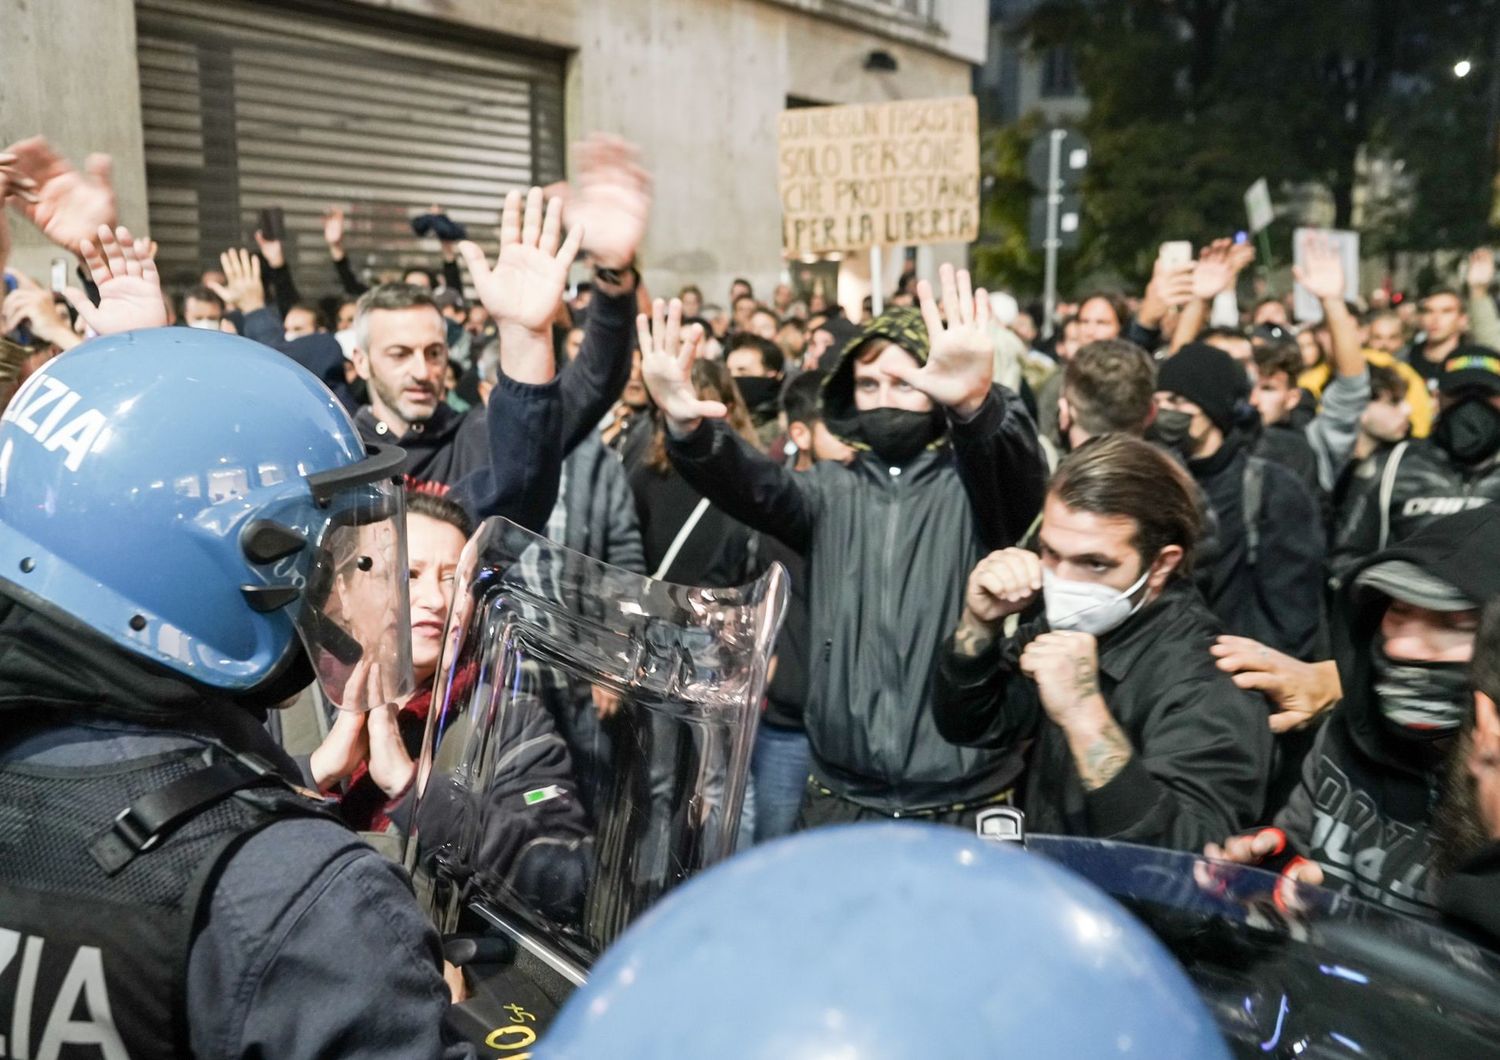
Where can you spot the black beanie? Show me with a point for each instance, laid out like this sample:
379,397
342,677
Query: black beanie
1209,378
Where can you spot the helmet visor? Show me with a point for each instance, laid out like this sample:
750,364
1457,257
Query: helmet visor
356,620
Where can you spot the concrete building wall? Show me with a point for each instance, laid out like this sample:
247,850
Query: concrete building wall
697,83
69,72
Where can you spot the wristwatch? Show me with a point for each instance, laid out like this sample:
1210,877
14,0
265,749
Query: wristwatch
617,277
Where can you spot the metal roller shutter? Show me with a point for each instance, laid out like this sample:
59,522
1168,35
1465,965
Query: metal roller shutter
248,106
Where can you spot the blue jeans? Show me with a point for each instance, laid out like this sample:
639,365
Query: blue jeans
780,765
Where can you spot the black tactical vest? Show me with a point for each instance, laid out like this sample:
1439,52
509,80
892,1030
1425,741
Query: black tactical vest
102,873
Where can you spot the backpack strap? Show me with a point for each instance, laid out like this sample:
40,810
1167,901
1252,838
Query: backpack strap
1252,489
141,825
1387,492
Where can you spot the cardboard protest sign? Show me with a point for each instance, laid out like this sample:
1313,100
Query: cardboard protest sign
879,174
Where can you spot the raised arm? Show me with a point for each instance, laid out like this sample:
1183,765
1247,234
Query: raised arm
980,697
742,482
129,287
611,200
521,292
13,183
68,206
1219,265
994,441
1484,321
333,235
1322,274
277,275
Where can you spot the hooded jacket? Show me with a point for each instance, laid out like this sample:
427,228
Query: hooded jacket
1364,807
889,551
1409,486
292,910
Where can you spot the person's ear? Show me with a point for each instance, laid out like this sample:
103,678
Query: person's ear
1166,563
1294,396
801,435
1064,415
361,361
485,386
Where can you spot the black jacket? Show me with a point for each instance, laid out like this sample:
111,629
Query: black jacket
1278,599
292,913
505,459
888,551
1364,807
1404,490
1202,746
1470,898
718,551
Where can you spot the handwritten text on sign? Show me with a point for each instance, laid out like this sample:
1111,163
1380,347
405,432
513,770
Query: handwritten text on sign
879,174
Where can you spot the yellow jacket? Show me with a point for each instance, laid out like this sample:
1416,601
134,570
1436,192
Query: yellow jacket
1417,396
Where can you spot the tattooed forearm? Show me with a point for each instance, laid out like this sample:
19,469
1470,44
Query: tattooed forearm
1085,678
1103,756
972,638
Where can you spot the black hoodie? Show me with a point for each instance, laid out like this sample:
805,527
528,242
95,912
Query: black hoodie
1365,805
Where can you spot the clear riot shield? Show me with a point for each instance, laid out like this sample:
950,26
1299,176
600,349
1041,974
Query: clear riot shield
589,739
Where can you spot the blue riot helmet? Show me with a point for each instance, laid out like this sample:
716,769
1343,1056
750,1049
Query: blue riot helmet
883,940
203,502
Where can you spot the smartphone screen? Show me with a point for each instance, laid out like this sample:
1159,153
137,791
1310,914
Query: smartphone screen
1177,252
273,223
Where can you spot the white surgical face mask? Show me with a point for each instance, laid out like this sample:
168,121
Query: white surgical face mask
1088,607
205,325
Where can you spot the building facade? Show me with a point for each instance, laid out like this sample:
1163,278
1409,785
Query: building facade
215,112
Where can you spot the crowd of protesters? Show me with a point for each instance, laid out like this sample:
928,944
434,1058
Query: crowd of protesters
1224,584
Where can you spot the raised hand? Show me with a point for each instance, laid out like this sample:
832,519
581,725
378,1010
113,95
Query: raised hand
271,250
391,767
525,285
333,230
12,183
610,199
1214,272
1171,286
1065,666
129,288
1322,271
68,206
961,358
36,307
667,355
1481,271
241,288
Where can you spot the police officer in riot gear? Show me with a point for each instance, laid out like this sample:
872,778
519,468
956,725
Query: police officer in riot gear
192,531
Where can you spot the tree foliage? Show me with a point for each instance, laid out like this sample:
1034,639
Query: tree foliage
1192,100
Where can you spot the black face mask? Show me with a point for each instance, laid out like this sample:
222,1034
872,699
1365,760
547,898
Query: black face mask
1170,429
898,435
760,393
1469,431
